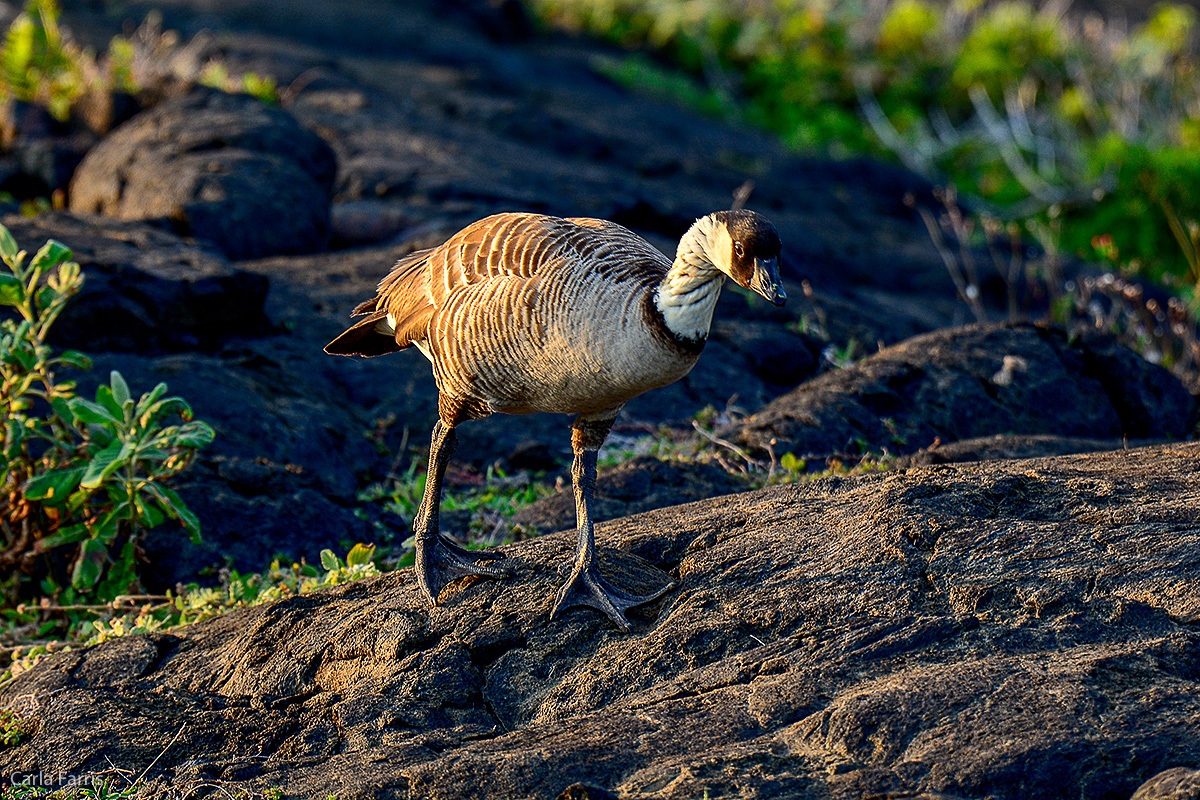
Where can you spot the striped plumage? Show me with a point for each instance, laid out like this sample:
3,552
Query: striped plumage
520,313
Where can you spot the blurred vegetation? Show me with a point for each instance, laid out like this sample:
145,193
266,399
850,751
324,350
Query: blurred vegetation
39,64
1072,126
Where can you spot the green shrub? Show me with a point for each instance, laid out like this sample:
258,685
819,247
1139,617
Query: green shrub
36,63
82,480
40,65
150,614
14,726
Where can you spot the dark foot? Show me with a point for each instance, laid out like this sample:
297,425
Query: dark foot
440,562
587,587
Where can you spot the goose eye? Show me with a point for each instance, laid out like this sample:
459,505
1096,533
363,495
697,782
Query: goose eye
739,250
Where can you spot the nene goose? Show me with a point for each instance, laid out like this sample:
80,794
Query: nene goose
521,313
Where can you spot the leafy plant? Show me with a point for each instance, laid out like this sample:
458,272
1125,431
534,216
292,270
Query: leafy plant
148,614
495,498
216,75
14,726
38,65
82,479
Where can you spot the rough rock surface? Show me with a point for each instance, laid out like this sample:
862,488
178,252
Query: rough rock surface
997,630
975,381
226,168
1178,783
145,289
1007,445
640,484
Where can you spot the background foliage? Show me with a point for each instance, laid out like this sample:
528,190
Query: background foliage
1074,126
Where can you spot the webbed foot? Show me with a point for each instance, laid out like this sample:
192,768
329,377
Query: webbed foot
587,587
441,562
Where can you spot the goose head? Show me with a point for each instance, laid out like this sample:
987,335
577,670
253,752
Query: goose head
745,246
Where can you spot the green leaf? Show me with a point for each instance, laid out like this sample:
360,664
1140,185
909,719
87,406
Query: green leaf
12,291
52,254
26,359
54,486
149,514
77,499
104,396
360,554
85,411
193,434
109,524
89,565
166,406
120,389
175,507
62,408
328,560
74,358
69,535
8,245
148,400
104,464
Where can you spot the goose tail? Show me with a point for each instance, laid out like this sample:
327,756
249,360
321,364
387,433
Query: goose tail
371,336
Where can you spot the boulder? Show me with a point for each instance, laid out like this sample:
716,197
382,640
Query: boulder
145,289
1005,629
226,168
42,151
975,381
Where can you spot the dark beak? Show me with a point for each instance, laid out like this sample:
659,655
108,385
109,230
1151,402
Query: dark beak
766,280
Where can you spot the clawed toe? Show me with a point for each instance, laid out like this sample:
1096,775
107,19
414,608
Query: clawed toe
587,587
441,562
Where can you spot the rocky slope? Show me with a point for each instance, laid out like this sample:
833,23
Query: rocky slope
1008,629
400,123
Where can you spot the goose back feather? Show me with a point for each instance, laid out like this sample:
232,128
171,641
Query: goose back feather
521,313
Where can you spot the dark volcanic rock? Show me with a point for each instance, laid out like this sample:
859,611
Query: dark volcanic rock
986,448
222,167
280,477
1179,783
1003,630
250,511
145,289
640,484
975,381
44,152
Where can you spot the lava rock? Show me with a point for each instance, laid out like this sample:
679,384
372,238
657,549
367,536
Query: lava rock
975,381
44,150
146,290
987,448
963,631
222,167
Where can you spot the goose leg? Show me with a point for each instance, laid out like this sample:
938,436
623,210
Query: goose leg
586,586
440,561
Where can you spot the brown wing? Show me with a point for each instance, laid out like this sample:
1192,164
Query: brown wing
507,246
